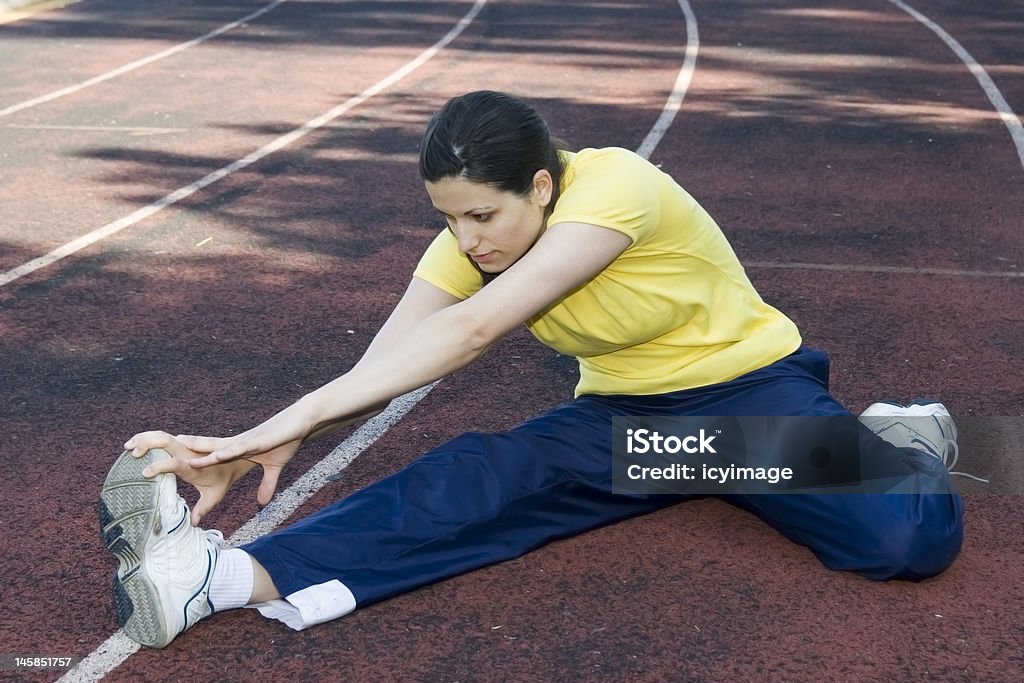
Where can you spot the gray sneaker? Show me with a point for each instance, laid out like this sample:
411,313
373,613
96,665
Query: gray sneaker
927,427
165,565
924,425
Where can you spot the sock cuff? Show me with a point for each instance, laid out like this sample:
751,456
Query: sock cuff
233,580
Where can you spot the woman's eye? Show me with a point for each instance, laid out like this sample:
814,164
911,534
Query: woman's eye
482,217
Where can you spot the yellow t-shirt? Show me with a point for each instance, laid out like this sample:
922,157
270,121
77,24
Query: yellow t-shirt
674,311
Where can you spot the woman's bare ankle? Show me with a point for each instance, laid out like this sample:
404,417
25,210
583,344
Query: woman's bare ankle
263,588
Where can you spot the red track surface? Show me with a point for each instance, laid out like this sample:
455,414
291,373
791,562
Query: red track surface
830,133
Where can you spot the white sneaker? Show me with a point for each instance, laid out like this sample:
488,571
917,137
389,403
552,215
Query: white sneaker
924,425
927,427
165,565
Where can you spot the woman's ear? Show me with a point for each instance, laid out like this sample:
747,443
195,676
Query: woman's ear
543,186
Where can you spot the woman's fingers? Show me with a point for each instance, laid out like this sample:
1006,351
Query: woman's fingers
268,485
187,455
176,464
142,442
201,444
187,446
231,450
180,454
172,465
208,499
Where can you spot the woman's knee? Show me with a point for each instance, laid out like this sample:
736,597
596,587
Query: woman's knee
920,545
881,537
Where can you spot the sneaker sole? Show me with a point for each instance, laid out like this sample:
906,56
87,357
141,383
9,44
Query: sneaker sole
127,516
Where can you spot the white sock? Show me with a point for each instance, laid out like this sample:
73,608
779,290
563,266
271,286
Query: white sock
232,583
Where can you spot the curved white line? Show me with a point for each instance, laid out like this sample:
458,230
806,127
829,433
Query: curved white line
1007,114
71,89
273,146
682,84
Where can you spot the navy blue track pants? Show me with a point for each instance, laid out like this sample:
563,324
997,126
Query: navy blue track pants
484,498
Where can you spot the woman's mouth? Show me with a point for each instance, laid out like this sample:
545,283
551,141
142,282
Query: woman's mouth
482,258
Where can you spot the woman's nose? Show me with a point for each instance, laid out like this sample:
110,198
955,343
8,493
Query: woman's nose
467,237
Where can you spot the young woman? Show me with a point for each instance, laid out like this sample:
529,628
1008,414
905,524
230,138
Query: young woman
603,257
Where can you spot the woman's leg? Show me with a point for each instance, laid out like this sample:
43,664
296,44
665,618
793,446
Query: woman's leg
485,498
475,501
263,588
880,536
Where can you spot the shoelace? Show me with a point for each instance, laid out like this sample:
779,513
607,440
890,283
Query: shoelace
956,456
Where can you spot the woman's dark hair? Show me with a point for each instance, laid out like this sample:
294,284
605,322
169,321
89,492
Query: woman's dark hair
492,138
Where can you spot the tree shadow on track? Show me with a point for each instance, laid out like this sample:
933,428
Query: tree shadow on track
754,110
539,25
346,190
330,199
874,196
291,23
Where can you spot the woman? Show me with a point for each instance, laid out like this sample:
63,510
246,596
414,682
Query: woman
603,257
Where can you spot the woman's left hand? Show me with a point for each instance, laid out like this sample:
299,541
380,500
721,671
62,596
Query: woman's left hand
213,481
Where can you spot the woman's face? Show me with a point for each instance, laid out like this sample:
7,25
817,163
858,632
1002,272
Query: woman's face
494,228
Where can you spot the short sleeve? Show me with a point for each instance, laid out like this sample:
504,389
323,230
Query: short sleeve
611,188
444,266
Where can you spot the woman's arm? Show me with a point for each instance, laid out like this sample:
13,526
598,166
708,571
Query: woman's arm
429,335
421,300
419,349
566,256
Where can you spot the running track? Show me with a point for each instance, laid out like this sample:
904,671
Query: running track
862,170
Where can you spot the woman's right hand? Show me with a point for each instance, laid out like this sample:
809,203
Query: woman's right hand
271,443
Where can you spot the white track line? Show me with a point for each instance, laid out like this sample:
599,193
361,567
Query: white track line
1009,118
907,270
682,84
137,63
130,130
118,647
278,144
